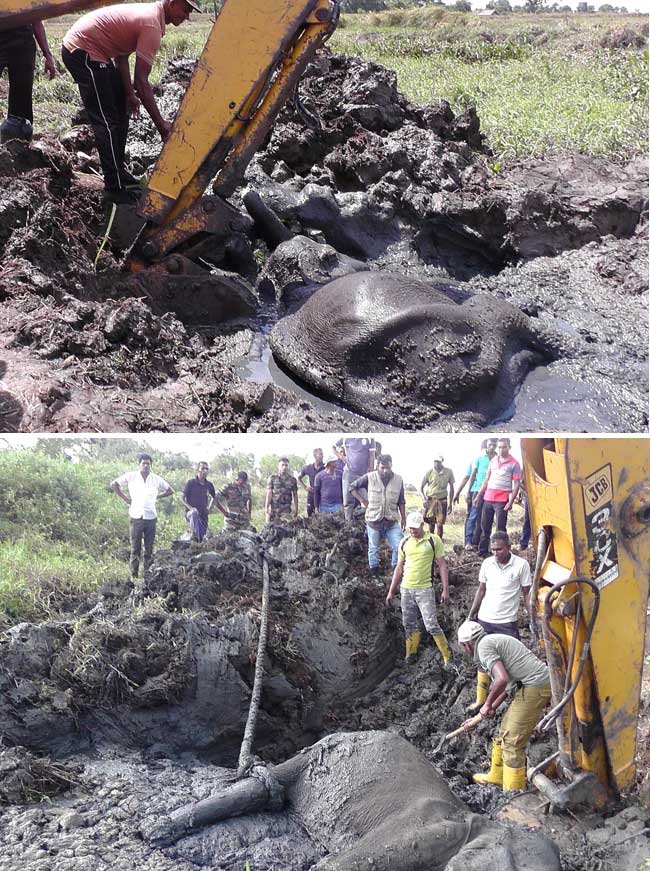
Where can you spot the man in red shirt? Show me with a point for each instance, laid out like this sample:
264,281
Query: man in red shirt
96,52
498,491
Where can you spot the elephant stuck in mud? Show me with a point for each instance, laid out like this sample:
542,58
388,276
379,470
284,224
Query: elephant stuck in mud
372,801
404,351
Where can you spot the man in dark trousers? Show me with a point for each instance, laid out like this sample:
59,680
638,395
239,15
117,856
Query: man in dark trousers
144,488
197,497
96,52
310,470
18,57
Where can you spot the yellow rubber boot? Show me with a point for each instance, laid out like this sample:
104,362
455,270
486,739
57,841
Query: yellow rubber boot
513,778
482,687
495,774
443,646
412,644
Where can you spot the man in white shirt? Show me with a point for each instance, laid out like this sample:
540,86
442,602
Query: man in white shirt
503,579
144,488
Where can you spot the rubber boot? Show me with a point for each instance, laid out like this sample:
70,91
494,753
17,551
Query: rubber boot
447,657
412,644
482,687
495,774
513,778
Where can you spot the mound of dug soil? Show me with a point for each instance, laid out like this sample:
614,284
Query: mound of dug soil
140,694
380,184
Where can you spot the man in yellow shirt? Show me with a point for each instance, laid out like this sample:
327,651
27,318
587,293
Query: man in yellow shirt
414,571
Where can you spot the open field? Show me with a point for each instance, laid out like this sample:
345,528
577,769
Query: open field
540,84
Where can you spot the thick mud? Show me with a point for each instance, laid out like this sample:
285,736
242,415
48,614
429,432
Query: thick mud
135,704
381,185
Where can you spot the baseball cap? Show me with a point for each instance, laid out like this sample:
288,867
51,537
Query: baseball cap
469,631
414,519
331,458
194,4
438,459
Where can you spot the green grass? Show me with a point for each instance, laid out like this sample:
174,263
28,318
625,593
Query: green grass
537,89
540,84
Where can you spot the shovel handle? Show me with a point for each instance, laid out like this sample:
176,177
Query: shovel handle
475,720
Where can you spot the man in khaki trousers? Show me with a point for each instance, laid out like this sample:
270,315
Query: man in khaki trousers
510,664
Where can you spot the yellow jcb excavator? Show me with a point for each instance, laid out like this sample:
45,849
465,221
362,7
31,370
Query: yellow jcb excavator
589,503
250,66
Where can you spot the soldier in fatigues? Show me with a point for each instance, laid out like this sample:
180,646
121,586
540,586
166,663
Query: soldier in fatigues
281,493
235,503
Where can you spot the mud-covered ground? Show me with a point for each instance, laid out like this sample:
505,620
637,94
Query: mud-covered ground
381,185
135,704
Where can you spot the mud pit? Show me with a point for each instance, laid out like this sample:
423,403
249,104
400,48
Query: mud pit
384,185
134,705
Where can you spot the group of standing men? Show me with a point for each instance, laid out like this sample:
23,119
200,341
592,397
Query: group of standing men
490,635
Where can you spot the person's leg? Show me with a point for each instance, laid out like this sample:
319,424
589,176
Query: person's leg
21,78
525,529
310,505
136,532
470,526
331,509
348,499
501,516
96,90
122,119
487,517
373,547
149,538
426,601
410,622
394,536
515,730
478,520
441,516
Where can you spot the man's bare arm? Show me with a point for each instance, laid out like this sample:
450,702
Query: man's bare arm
145,93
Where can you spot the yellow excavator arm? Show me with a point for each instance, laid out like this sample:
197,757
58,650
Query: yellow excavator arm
589,503
250,66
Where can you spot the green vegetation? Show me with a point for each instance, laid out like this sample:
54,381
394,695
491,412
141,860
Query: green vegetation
540,83
63,532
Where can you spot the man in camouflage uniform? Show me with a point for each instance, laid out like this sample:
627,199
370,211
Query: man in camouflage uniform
281,493
235,503
437,490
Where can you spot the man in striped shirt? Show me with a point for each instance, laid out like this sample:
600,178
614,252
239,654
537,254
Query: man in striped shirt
498,491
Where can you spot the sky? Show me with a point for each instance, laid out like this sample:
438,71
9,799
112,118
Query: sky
412,452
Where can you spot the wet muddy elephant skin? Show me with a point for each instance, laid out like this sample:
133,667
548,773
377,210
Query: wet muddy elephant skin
373,801
404,352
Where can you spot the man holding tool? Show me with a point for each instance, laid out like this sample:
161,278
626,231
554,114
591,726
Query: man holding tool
510,665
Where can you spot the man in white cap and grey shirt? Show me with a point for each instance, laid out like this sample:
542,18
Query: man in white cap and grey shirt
414,572
437,490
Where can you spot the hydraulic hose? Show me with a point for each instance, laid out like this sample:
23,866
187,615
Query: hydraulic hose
546,722
251,722
541,553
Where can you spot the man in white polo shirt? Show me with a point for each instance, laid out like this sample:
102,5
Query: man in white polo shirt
503,579
144,488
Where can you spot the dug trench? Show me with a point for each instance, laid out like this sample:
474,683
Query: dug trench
537,270
133,704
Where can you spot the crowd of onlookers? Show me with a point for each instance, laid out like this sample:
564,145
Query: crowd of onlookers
356,475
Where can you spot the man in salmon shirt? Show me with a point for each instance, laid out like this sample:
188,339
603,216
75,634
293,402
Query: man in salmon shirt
96,52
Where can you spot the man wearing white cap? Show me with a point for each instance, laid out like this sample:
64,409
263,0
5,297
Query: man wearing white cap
510,665
437,490
328,487
414,571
